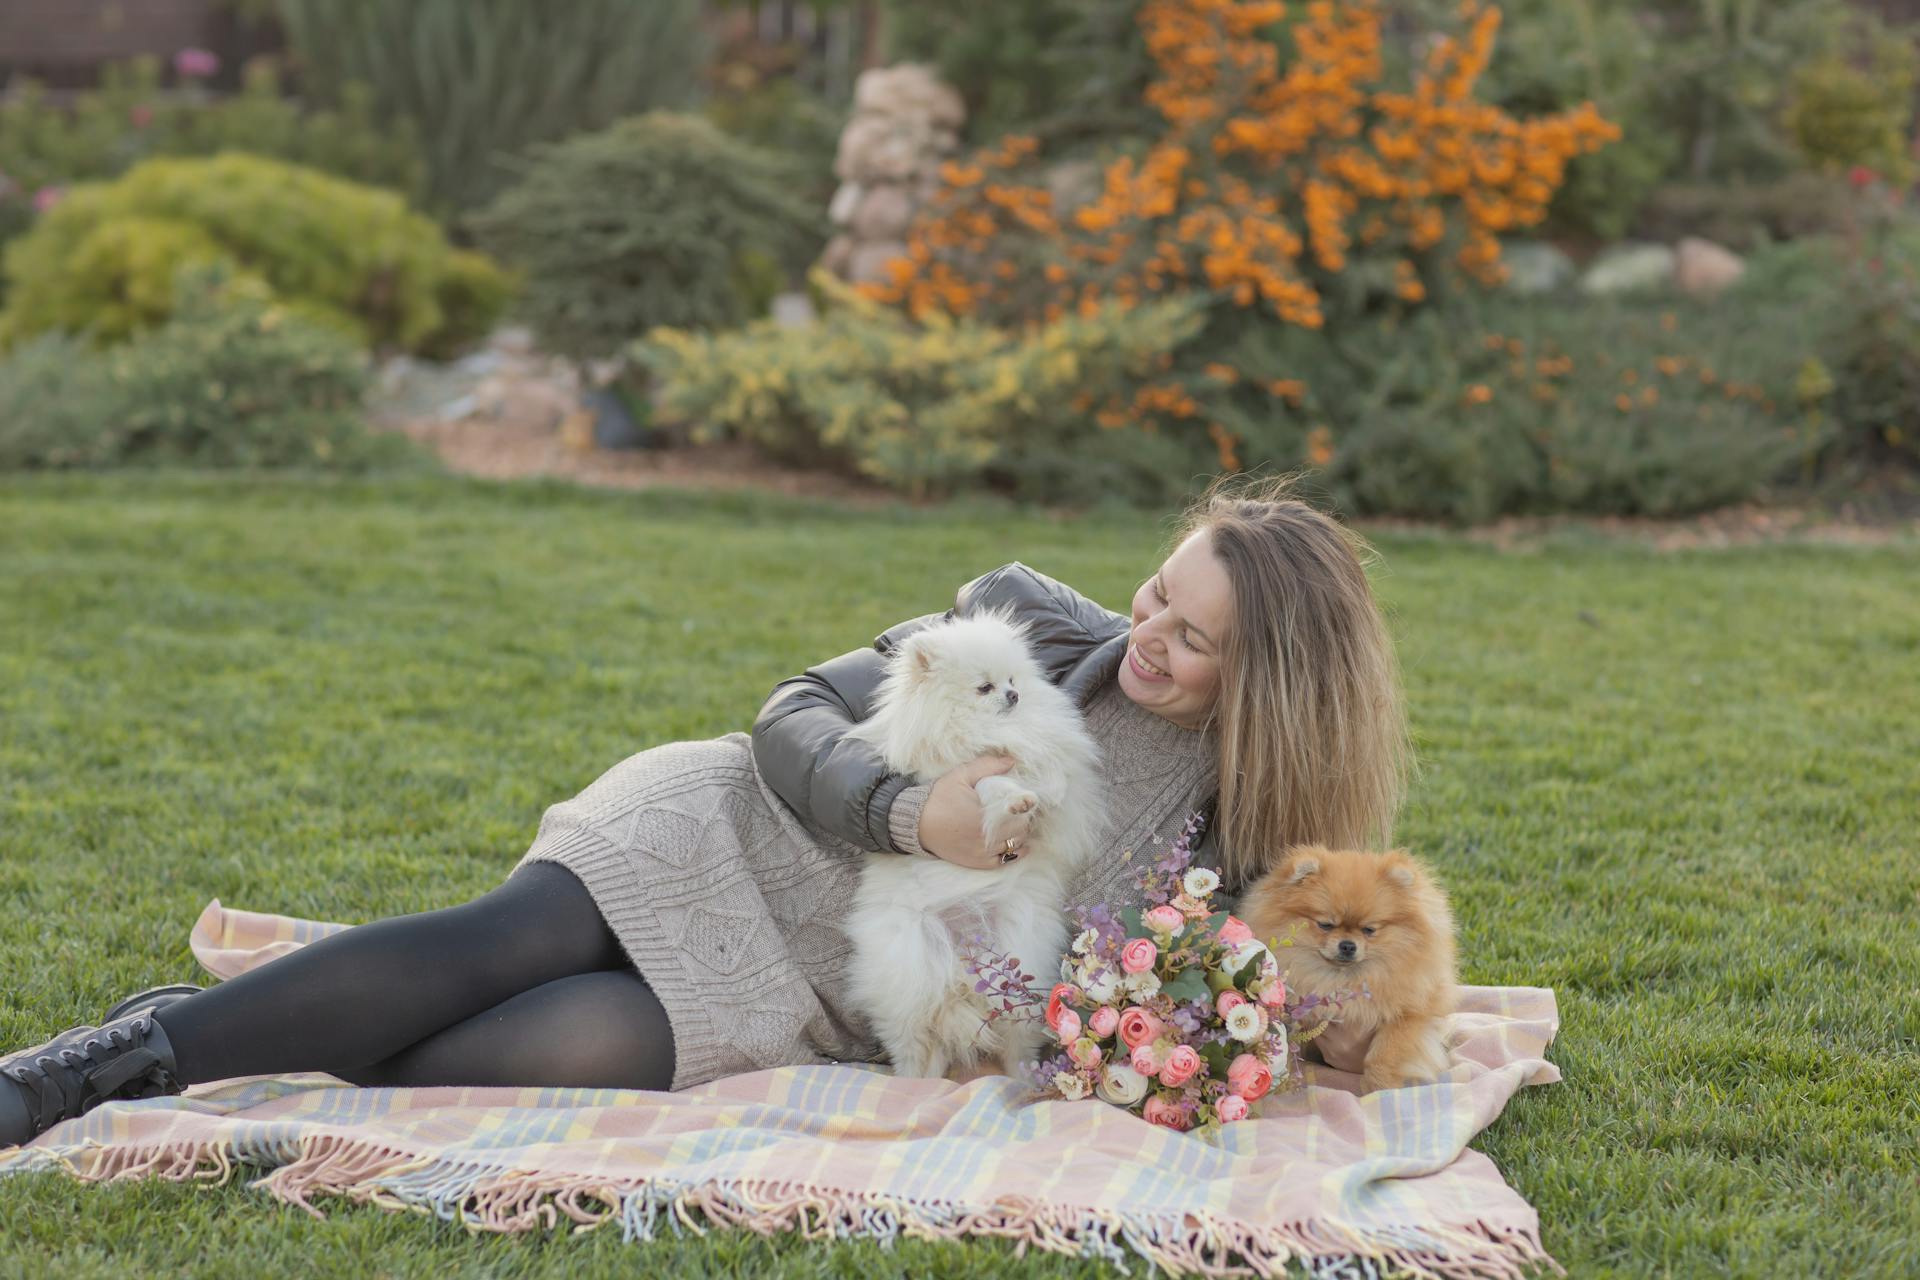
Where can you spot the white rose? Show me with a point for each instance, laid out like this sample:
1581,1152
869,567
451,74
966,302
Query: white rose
1121,1085
1277,1059
1143,985
1072,1086
1246,1022
1103,987
1246,953
1199,882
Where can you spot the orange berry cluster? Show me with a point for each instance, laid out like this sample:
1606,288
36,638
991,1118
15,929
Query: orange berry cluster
1264,183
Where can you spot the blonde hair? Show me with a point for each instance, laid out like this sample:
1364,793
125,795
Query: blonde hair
1310,719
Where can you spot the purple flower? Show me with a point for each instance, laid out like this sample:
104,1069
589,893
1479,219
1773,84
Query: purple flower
196,64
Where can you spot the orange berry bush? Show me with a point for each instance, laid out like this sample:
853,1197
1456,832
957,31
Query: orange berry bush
1292,183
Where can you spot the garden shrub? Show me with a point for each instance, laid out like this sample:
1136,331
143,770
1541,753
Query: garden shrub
101,133
939,405
232,379
1302,193
1843,115
482,80
102,260
55,408
660,220
1524,406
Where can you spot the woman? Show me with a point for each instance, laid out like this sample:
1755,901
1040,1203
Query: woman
718,869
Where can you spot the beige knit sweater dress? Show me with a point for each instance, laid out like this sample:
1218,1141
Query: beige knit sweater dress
730,907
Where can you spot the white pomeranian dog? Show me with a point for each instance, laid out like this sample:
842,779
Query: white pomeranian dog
953,691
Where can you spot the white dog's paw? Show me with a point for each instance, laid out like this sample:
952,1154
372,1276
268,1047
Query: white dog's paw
1006,811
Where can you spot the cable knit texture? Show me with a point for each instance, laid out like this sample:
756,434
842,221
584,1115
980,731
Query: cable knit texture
730,907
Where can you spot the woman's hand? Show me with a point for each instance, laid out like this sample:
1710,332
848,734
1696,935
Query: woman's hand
952,821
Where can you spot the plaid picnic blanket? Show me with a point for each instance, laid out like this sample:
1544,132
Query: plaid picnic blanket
1346,1185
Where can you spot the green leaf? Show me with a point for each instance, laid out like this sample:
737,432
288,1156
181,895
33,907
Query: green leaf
1190,985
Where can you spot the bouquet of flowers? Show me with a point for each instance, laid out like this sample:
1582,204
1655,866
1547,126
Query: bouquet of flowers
1173,1011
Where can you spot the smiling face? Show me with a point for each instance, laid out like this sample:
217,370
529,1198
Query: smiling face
1180,616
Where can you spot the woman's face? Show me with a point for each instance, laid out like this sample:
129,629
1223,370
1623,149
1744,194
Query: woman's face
1180,616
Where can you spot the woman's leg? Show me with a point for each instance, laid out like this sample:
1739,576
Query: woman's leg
363,995
602,1030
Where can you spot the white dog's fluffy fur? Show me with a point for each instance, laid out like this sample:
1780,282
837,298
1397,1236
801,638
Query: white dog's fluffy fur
953,691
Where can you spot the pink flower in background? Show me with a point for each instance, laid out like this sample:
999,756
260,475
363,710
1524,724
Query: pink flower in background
1231,1108
1181,1066
1084,1052
1138,955
1145,1059
47,197
140,115
1861,177
1235,931
1137,1026
1229,1001
1105,1021
1068,1028
1249,1077
1161,1112
196,64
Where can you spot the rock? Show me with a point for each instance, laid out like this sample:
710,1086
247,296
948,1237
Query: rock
613,425
884,214
513,340
1629,268
869,261
1703,269
845,201
1535,268
838,255
1073,183
792,310
878,148
909,90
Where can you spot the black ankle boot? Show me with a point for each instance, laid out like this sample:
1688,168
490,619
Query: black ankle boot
81,1068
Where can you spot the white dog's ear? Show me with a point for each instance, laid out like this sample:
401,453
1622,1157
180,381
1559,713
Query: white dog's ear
916,655
1300,868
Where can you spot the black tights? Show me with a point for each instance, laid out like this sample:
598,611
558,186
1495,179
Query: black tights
525,985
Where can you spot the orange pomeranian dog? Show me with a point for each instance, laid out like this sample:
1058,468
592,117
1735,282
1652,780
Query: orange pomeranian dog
1374,927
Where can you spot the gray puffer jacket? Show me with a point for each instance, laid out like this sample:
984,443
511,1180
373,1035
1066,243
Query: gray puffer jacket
844,787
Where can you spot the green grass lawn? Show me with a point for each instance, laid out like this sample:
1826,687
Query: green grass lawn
1680,790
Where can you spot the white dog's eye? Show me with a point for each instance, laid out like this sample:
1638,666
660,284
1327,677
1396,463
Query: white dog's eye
985,688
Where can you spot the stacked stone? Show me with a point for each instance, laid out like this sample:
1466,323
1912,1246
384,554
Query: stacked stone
905,125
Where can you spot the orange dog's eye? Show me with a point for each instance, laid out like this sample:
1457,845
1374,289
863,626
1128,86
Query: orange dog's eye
1368,930
1326,926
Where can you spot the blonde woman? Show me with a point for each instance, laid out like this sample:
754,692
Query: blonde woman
677,920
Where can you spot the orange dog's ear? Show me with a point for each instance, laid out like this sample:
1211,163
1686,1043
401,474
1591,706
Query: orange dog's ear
1400,868
1301,867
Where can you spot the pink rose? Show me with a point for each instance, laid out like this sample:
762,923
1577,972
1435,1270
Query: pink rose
1230,1108
1137,1026
1138,955
1104,1021
1249,1077
1056,998
1274,994
1235,931
1145,1059
1229,1001
1068,1027
1161,1112
1181,1066
1165,919
1084,1052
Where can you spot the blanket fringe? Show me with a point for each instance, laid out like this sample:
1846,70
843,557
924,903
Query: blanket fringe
497,1199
